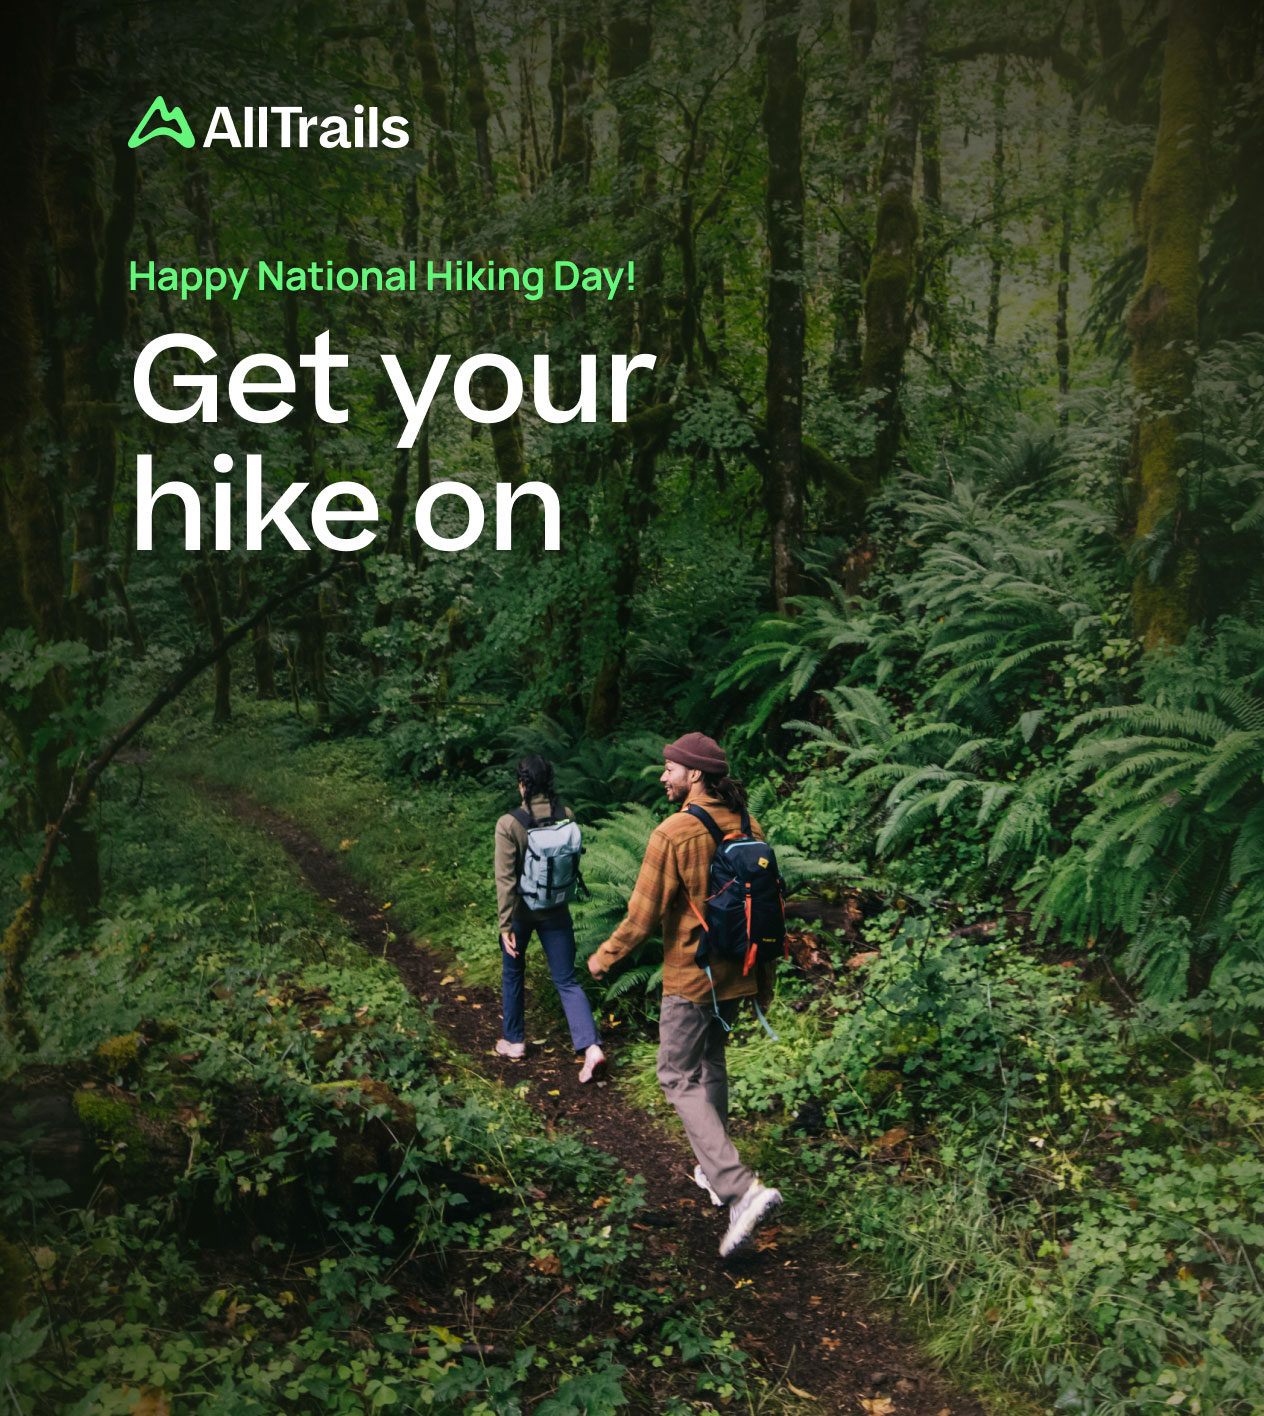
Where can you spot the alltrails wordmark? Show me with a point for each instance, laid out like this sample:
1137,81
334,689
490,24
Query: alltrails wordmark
284,125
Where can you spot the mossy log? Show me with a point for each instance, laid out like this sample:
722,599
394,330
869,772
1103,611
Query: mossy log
89,1133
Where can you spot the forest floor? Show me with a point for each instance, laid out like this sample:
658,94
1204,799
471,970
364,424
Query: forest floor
793,1302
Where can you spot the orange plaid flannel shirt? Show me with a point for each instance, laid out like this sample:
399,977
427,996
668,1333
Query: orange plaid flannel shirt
673,873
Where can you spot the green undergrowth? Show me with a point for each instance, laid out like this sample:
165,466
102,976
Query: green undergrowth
1063,1187
297,1198
425,848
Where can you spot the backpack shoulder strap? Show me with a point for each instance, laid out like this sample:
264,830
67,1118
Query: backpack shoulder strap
707,821
746,830
523,817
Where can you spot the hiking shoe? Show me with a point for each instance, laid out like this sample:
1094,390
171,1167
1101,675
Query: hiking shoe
701,1181
594,1067
516,1050
755,1205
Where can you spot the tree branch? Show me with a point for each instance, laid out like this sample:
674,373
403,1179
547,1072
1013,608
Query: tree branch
26,920
1046,51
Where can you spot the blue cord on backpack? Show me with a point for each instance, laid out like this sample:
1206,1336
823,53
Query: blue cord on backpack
715,1008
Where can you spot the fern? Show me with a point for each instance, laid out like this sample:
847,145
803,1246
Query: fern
1179,791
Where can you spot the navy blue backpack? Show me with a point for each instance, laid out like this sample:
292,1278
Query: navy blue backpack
745,919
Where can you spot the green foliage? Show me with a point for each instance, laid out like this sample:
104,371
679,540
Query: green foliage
1177,825
323,1124
1079,1192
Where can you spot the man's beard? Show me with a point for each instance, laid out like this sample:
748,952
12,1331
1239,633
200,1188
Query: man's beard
675,794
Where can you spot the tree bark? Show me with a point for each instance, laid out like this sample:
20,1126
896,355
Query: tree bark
1062,323
932,290
853,248
997,222
630,495
90,249
783,379
33,533
487,321
1163,325
891,271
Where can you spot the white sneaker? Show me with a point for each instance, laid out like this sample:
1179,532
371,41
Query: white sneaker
594,1067
755,1205
516,1050
701,1181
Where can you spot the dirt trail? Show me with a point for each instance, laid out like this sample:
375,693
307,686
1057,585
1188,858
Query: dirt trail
794,1304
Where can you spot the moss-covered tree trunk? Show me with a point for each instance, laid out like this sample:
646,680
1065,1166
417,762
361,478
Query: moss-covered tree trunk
853,247
996,223
931,300
1163,326
90,249
891,272
629,487
783,377
1062,320
506,435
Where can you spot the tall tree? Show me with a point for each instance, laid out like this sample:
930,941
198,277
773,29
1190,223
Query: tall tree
1163,326
891,271
783,380
853,248
1062,321
996,247
31,543
630,488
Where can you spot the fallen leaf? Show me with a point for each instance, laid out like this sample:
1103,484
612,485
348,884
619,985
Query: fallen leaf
860,961
345,845
878,1405
151,1402
387,905
798,1391
888,1140
445,980
555,1093
547,1263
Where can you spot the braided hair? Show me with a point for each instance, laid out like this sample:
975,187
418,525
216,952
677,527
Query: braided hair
535,777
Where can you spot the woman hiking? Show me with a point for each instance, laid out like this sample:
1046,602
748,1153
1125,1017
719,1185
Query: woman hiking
553,924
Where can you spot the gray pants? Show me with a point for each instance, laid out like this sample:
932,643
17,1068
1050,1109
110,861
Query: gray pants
694,1079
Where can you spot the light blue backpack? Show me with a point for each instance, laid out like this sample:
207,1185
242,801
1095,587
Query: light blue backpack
550,869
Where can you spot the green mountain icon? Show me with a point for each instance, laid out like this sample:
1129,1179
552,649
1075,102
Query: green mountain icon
181,131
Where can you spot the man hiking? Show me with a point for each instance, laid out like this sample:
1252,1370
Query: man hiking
697,1006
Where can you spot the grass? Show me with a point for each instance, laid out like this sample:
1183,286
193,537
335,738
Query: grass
425,849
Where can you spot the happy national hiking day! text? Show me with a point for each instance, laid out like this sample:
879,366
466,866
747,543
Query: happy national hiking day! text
445,277
257,386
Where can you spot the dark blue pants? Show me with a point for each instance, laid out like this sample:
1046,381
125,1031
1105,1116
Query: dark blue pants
558,940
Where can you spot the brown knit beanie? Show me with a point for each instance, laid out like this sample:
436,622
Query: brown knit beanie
700,751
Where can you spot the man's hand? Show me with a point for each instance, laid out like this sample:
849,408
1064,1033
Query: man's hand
510,944
594,967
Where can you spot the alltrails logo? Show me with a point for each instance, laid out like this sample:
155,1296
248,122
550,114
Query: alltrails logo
280,125
181,132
